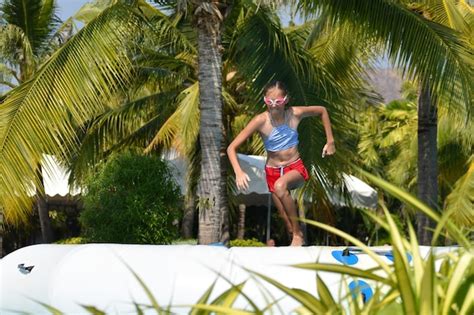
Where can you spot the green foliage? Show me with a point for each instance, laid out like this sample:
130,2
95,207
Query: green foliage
460,203
63,93
191,241
72,240
131,199
246,243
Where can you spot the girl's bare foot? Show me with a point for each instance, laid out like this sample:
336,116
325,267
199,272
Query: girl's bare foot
297,240
271,242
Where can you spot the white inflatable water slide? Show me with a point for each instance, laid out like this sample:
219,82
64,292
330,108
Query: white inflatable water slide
68,276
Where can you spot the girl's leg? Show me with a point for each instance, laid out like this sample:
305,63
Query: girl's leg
290,179
282,213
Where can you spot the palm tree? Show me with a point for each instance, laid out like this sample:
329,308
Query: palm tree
76,95
436,55
389,149
30,33
176,125
42,113
452,16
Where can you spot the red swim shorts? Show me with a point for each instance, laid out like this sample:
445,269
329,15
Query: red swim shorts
275,172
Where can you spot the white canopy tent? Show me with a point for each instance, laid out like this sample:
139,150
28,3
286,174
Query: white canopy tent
56,178
362,195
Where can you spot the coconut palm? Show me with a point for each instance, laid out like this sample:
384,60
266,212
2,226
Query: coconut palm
177,124
42,113
388,147
436,55
76,95
30,32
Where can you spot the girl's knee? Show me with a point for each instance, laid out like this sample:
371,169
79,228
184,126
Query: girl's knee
281,188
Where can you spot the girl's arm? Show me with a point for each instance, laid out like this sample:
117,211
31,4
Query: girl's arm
241,178
306,111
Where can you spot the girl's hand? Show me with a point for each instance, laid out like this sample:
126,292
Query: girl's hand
329,149
242,180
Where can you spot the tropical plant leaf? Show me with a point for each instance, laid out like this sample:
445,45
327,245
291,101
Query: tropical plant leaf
221,309
347,270
203,300
307,300
453,230
457,279
425,48
460,202
41,115
36,19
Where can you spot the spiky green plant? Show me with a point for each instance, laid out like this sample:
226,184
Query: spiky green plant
437,284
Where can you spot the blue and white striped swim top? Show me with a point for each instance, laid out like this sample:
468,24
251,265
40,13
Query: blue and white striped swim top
281,137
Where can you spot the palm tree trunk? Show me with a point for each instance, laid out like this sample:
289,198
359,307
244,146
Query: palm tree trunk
43,212
213,208
188,217
427,162
241,222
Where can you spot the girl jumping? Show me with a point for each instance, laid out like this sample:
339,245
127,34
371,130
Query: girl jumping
284,168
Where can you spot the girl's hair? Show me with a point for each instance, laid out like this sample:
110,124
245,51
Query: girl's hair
275,84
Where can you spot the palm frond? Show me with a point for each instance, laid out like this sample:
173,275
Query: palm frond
264,52
467,11
427,50
344,56
36,18
401,169
131,125
446,12
164,70
460,202
172,33
182,127
367,147
15,48
41,115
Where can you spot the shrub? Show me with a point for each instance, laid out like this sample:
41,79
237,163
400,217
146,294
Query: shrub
72,240
190,241
246,243
131,199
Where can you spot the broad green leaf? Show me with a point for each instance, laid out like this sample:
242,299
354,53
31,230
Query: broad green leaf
347,270
354,241
307,300
325,295
402,269
428,297
221,309
203,300
458,276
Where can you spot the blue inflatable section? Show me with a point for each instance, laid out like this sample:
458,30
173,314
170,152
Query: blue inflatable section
389,256
345,257
348,256
361,287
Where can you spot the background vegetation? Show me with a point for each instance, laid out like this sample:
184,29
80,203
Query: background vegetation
131,199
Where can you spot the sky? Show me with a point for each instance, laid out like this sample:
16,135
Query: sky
67,8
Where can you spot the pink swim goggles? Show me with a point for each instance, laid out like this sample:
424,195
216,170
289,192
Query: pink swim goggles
277,101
